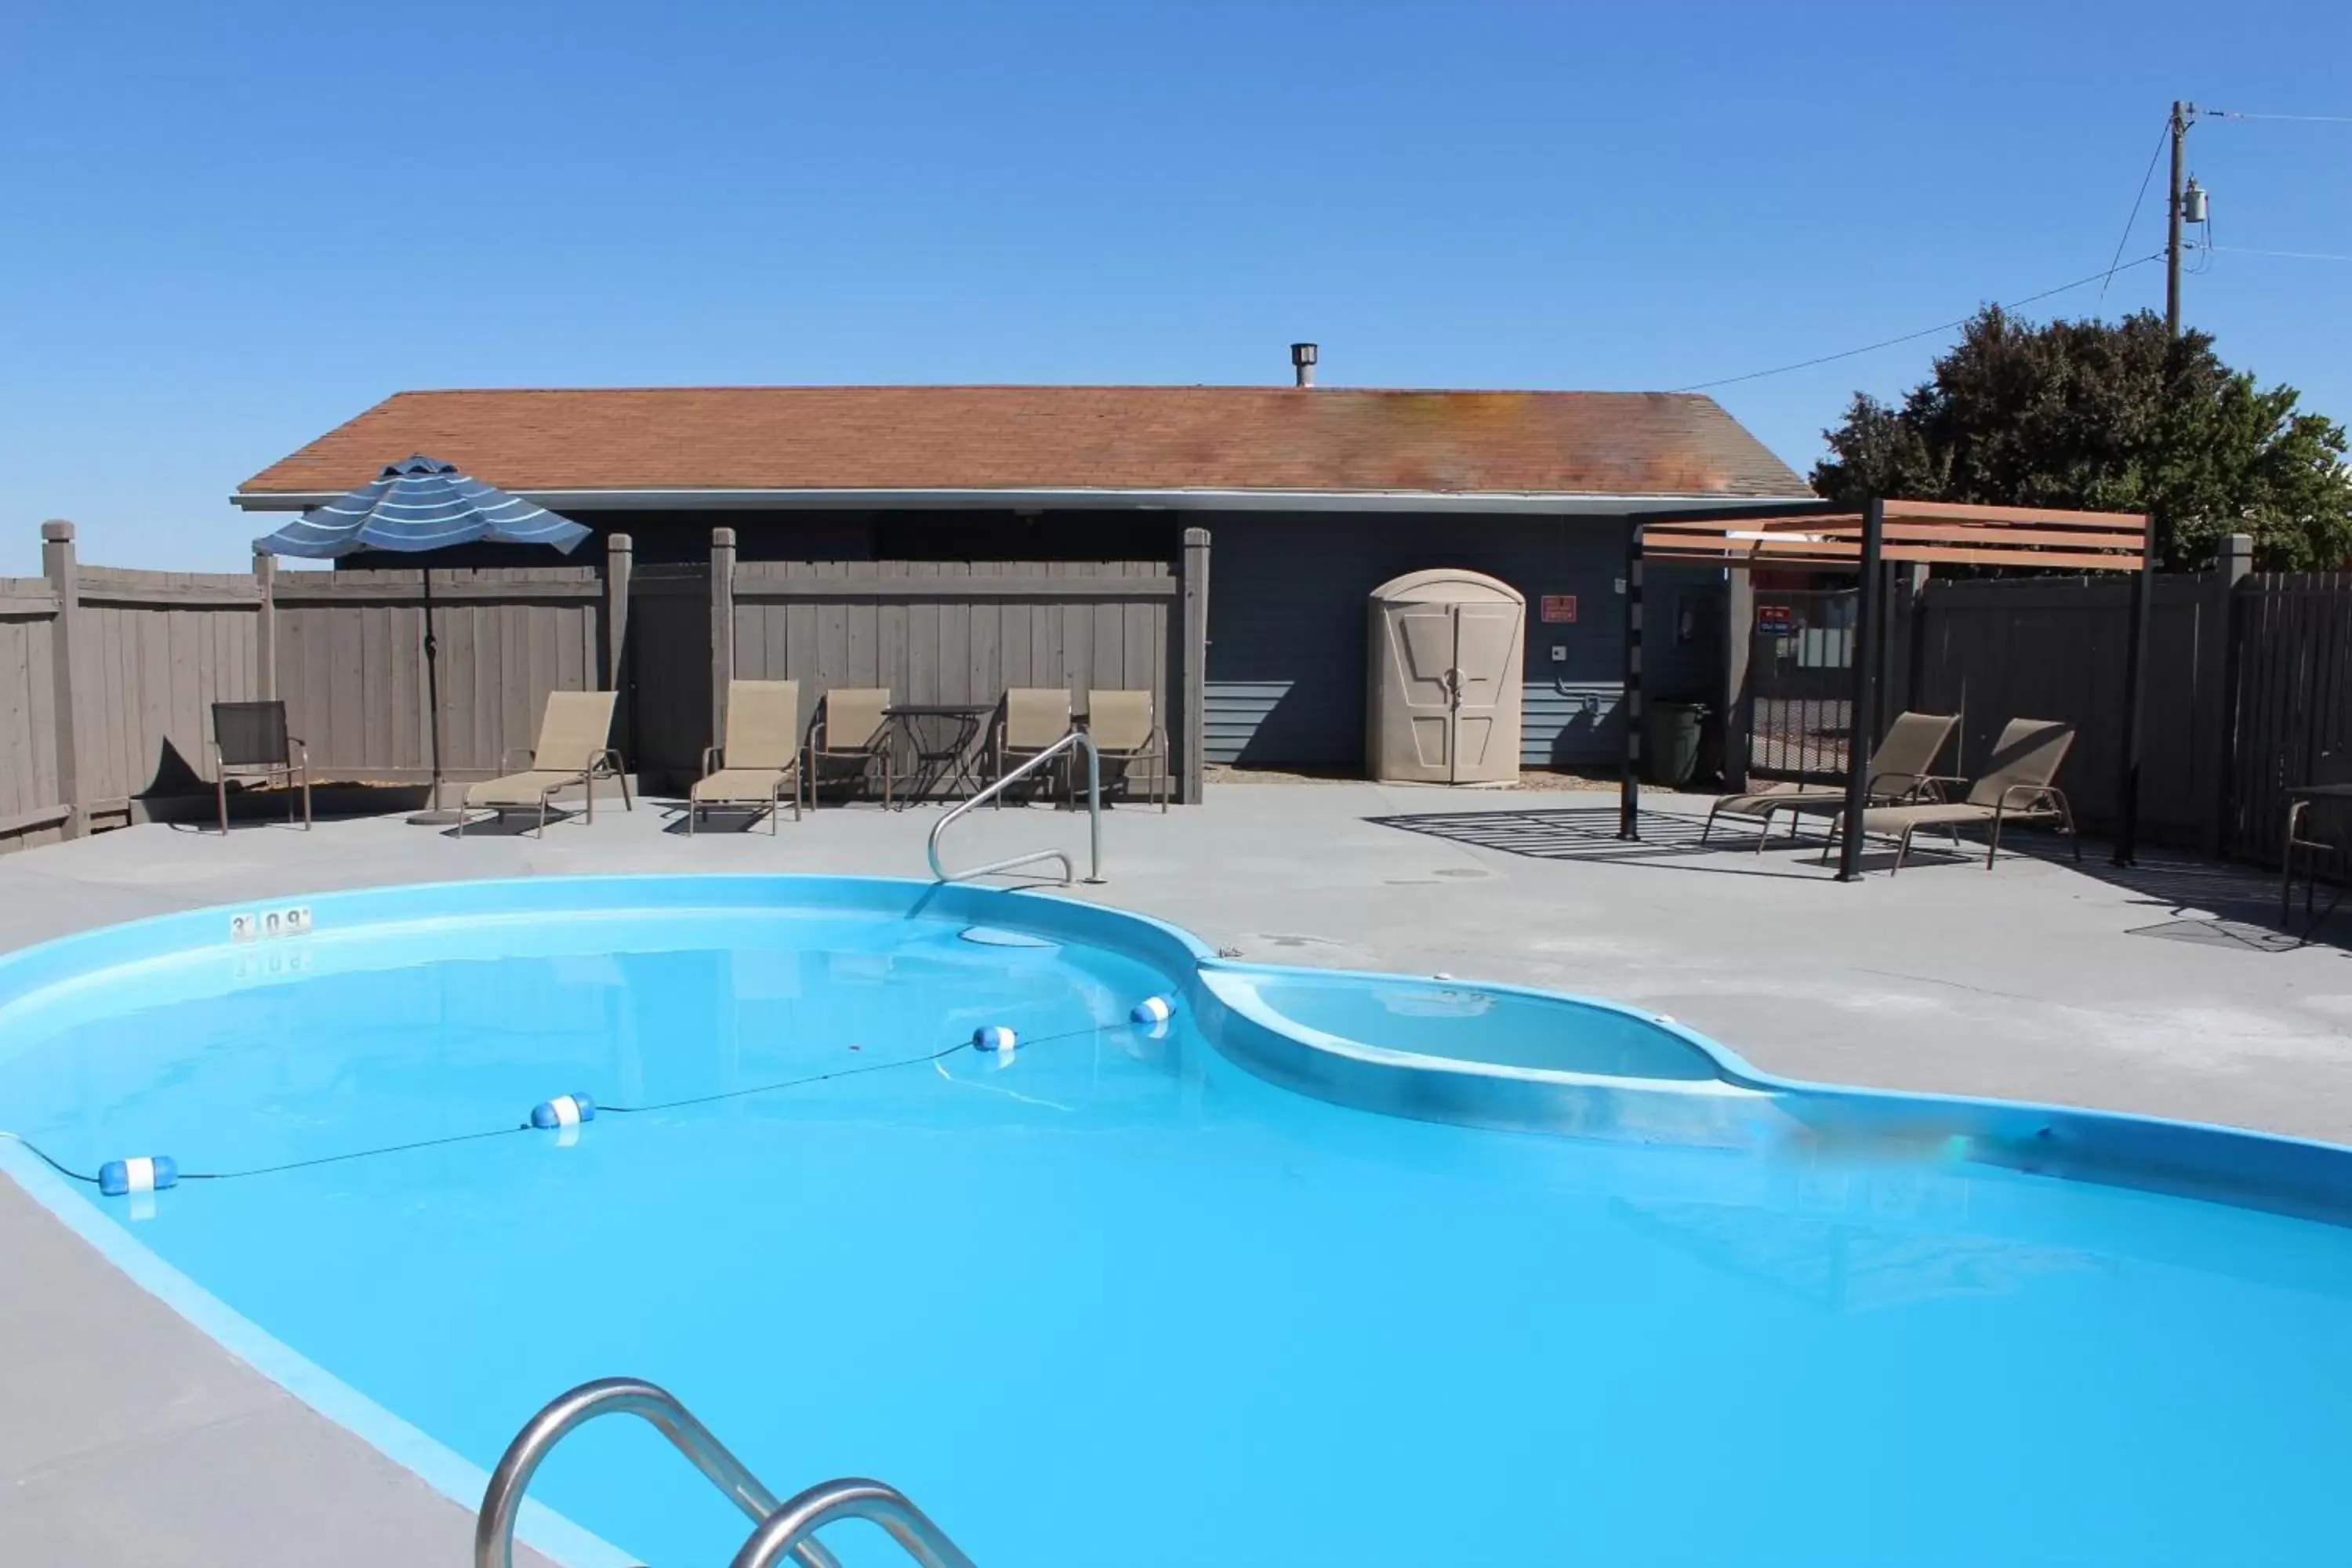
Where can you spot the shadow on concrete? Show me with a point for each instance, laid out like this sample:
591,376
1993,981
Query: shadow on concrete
1669,840
724,819
2215,903
522,823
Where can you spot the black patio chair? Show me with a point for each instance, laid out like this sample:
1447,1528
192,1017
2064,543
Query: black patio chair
250,742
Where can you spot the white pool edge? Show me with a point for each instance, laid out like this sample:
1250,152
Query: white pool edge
439,1467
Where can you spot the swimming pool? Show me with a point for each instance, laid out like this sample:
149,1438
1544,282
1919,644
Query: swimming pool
1327,1268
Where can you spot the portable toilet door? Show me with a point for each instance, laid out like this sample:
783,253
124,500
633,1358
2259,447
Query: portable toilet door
1447,648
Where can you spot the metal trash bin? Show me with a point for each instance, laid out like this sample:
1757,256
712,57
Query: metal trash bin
1670,742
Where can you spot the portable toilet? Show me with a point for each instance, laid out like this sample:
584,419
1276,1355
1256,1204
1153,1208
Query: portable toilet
1447,650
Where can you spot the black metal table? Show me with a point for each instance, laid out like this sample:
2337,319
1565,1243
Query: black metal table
942,737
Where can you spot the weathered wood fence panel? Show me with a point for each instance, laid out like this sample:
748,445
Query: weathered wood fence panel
32,805
350,663
959,631
1992,650
2293,679
155,650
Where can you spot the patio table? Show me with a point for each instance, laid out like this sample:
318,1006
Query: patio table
941,736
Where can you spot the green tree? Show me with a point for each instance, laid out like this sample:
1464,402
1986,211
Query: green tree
2108,416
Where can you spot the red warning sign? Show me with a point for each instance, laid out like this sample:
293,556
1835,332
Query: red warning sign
1559,608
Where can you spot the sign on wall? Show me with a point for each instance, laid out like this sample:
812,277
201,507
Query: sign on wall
1775,620
1559,608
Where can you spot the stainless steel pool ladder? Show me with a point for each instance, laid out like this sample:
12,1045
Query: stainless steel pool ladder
783,1529
1077,738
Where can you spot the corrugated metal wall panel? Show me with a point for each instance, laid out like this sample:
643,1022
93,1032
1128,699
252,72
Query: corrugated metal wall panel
1287,628
1571,723
1232,713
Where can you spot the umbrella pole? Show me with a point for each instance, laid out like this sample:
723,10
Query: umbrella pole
434,815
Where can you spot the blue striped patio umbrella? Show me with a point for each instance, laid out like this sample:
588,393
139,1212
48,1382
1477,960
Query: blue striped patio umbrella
422,504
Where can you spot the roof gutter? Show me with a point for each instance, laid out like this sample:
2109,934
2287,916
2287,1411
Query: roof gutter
1547,504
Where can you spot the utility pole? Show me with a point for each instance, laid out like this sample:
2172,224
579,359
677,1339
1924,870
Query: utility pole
2143,590
2180,113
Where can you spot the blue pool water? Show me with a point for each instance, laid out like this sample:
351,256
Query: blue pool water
1179,1296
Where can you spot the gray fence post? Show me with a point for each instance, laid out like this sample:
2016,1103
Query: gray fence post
265,628
1194,697
723,628
65,581
2232,566
620,558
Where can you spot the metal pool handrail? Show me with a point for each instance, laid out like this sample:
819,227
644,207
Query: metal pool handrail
1077,738
494,1528
793,1526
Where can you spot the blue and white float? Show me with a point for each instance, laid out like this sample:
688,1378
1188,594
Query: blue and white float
1152,1010
563,1111
998,1037
140,1173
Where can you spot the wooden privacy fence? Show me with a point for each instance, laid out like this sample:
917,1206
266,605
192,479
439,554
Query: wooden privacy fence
32,799
350,663
2291,672
108,676
2053,647
107,681
930,631
2249,691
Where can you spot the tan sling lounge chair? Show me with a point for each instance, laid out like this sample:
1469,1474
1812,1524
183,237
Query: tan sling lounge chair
1900,767
2016,785
851,736
575,734
761,757
1034,717
1119,723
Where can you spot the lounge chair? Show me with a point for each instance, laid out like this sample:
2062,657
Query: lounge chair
2016,785
1031,720
1900,769
575,733
1120,725
761,757
850,735
250,742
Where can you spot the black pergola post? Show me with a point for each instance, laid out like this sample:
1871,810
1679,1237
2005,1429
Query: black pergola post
1861,723
2135,674
1629,793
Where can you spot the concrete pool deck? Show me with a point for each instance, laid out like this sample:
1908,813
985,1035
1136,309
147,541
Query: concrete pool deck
129,1436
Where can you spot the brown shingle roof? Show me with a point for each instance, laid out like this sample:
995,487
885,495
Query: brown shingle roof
1052,437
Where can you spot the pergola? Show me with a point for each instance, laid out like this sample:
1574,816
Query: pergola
1867,539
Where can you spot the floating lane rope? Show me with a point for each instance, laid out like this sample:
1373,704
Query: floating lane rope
161,1170
1152,1010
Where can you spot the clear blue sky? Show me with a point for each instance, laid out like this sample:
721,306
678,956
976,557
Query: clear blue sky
233,226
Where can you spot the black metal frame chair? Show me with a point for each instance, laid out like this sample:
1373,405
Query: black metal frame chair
250,742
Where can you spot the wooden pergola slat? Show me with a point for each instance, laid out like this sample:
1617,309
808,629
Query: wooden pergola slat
1968,512
1841,554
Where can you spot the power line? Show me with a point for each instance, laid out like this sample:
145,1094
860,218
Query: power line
2125,239
2306,119
1922,333
2296,255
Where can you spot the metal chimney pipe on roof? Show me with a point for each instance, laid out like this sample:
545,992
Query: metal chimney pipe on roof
1302,362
